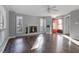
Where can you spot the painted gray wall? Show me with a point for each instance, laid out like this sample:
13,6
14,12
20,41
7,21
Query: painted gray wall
74,24
71,25
12,24
27,21
66,25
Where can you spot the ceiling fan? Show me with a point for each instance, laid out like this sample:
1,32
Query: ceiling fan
51,8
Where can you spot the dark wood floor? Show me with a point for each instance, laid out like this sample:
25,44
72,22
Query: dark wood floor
47,44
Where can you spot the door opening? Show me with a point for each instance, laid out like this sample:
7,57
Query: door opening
54,23
57,25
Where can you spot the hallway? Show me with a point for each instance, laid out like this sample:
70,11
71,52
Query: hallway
55,43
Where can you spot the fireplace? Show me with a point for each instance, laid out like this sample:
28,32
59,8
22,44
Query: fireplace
31,29
26,30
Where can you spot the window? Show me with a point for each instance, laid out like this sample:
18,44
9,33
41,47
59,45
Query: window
2,22
41,24
19,24
60,24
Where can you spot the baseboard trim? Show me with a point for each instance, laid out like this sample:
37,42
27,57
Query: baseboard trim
4,45
23,35
71,39
48,33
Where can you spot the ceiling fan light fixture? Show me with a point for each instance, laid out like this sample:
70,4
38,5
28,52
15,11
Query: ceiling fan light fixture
51,9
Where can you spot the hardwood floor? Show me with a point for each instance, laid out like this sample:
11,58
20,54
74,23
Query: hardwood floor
42,43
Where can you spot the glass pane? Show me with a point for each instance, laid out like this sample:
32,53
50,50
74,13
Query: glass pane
19,24
60,24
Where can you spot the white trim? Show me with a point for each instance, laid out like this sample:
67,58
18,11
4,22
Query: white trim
12,37
48,33
4,45
70,39
23,35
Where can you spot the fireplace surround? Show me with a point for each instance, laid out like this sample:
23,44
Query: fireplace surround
31,29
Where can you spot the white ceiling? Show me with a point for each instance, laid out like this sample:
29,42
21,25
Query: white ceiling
41,10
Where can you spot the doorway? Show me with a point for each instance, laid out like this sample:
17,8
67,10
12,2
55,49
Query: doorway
57,25
42,25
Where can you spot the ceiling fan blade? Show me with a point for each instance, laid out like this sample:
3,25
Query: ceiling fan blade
51,9
54,10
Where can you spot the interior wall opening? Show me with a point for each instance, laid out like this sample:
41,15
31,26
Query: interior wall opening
57,25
